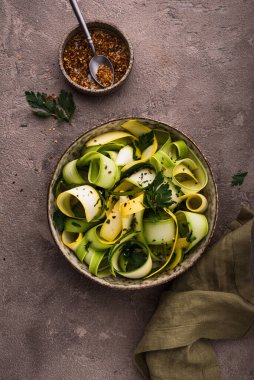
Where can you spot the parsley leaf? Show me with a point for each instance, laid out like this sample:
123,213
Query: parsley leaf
145,141
158,194
65,100
238,179
61,107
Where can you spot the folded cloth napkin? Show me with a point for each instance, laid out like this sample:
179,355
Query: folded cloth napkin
212,300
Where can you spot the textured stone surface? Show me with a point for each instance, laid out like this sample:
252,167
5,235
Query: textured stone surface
193,69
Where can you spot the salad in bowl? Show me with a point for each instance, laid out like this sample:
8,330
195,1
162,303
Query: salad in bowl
132,203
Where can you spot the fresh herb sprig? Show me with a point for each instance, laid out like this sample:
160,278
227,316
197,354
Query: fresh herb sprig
145,140
238,179
158,194
60,107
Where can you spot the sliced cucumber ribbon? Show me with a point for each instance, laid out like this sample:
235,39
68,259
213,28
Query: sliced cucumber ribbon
133,206
178,255
116,146
119,218
161,161
138,129
78,225
112,226
195,202
169,153
189,175
108,137
142,178
119,190
95,262
162,136
95,239
122,256
181,164
90,252
129,206
160,231
193,226
71,239
135,128
171,251
125,156
178,150
145,156
84,196
102,172
71,174
140,233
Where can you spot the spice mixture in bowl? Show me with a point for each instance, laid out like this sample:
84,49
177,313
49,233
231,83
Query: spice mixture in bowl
75,55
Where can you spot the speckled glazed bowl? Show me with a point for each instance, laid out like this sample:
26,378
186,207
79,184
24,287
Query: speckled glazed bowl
210,192
111,29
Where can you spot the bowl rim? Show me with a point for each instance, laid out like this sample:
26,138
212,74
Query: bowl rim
104,25
153,283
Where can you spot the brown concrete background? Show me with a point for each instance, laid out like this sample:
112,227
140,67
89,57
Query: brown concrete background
193,69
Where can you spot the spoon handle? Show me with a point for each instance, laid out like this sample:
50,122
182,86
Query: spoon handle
82,23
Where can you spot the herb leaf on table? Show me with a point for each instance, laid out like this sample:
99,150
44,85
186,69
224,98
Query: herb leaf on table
238,179
61,107
65,100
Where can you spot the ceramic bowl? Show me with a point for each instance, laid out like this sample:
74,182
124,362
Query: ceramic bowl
210,192
111,29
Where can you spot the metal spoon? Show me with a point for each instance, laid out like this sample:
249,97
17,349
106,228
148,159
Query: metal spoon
97,60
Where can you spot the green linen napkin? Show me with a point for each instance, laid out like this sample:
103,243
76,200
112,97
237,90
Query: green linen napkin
212,300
